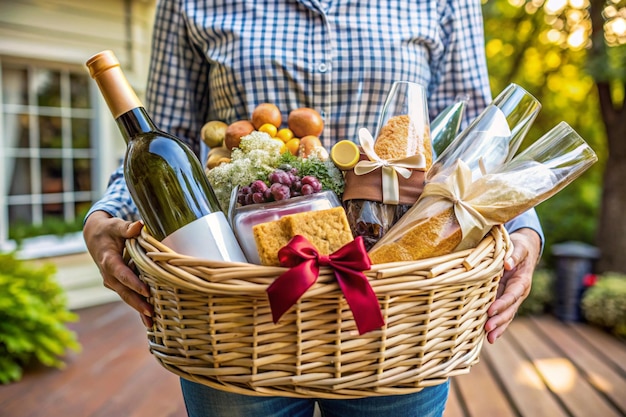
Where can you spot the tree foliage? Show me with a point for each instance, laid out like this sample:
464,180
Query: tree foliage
548,48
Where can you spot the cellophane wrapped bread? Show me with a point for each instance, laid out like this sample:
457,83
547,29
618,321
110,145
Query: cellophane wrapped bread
388,178
456,209
371,206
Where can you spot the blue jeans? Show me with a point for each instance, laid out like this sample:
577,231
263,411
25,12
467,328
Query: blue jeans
202,401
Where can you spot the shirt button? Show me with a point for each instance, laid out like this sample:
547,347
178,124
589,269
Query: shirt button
322,67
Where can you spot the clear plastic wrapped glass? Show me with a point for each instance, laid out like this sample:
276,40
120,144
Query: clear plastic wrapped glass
389,176
445,127
456,209
245,217
494,136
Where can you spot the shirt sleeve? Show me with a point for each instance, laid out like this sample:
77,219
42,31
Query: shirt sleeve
116,200
462,68
529,220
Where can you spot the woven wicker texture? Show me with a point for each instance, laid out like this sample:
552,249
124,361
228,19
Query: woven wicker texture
213,323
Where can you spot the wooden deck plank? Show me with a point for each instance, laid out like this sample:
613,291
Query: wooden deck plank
54,385
108,364
613,348
160,405
114,349
123,401
482,395
590,362
519,376
453,406
560,374
528,393
26,390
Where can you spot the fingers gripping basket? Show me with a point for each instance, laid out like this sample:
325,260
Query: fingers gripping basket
213,323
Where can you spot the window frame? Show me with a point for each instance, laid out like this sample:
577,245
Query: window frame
46,245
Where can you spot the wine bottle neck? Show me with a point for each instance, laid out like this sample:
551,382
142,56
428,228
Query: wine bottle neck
119,95
134,122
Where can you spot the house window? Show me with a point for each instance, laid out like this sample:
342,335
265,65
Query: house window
46,150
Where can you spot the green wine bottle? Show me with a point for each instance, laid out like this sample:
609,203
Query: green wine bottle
164,177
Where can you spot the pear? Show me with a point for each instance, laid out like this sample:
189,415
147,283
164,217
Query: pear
213,133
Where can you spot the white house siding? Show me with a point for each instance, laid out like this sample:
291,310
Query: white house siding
65,33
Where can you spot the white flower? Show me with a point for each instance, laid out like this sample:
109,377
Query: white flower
255,158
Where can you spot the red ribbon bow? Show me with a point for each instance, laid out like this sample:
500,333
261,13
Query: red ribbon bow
348,262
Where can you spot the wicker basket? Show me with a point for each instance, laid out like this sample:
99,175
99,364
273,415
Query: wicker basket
213,323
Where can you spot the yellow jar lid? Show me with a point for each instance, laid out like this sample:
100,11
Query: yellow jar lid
345,154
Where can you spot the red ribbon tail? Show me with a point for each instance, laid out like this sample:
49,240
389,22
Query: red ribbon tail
287,289
361,298
348,263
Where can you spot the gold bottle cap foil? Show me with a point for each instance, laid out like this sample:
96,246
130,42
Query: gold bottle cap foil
101,62
105,69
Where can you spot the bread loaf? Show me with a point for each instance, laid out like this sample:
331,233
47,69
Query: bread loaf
435,236
398,139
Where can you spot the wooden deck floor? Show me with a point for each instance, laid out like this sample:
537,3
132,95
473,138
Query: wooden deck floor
542,367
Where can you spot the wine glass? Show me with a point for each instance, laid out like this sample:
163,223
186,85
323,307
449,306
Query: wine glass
407,98
561,150
521,109
494,136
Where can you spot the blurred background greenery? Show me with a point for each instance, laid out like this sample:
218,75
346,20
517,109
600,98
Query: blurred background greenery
568,53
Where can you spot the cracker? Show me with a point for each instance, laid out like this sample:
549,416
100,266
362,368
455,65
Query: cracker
327,230
269,238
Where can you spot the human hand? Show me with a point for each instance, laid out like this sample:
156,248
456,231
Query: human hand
515,283
105,237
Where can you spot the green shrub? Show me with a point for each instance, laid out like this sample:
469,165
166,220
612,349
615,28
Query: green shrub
540,296
33,315
604,304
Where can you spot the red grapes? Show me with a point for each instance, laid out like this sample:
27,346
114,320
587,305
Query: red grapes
284,183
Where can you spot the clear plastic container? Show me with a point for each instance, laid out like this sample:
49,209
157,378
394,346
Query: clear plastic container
246,217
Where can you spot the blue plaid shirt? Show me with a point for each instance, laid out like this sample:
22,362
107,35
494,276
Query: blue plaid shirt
339,57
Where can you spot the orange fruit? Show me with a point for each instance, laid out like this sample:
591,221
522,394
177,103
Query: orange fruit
235,131
293,145
284,134
305,122
308,144
266,113
269,128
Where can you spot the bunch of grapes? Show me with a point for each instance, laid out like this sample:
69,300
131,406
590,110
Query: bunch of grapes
284,183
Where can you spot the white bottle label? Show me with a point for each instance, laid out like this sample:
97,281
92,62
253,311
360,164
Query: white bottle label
209,237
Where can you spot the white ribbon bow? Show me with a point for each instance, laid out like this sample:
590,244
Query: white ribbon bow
457,189
390,168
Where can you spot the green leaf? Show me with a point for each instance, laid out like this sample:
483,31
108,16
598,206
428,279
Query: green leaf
33,318
10,370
